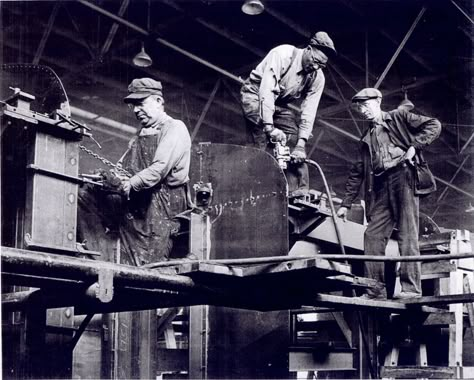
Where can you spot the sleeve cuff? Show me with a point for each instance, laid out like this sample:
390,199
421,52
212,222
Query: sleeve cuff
136,182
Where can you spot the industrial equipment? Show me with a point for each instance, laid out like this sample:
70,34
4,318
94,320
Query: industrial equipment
257,254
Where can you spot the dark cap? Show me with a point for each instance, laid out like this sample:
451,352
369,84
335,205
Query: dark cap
322,41
142,88
365,94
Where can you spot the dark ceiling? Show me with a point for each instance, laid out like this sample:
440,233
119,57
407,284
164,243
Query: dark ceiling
200,48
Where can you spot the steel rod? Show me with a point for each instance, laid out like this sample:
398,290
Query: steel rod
400,47
39,263
160,40
335,257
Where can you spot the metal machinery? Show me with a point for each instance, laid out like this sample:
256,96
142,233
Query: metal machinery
258,258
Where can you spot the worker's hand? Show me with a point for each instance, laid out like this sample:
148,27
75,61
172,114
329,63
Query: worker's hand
276,135
410,154
342,213
298,155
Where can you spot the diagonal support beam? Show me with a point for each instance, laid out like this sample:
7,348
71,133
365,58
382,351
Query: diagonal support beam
463,12
47,32
400,47
205,109
445,191
114,28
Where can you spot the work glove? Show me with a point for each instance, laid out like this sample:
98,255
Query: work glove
276,135
342,213
298,155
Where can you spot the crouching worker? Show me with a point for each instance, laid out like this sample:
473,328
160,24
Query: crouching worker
287,75
394,173
154,192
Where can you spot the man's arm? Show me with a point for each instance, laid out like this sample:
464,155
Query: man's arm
425,129
354,182
174,145
269,91
309,107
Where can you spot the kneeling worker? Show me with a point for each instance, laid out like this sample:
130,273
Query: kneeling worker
391,166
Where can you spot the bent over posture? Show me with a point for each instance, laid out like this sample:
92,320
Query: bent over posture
158,159
393,171
285,76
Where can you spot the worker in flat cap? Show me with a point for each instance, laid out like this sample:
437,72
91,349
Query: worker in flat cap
154,192
287,76
393,174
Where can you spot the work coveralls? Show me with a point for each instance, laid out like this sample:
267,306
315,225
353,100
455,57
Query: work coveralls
159,163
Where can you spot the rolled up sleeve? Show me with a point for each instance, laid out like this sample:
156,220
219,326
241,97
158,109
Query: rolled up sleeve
425,129
269,90
309,106
172,154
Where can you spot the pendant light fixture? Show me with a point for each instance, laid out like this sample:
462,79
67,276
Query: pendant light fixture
252,7
142,59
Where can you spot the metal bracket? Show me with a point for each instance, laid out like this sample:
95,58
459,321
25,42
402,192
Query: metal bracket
105,290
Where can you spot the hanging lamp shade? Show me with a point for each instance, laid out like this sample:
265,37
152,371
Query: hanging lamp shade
406,103
142,59
253,7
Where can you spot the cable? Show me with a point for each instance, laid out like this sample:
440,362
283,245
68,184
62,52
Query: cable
372,370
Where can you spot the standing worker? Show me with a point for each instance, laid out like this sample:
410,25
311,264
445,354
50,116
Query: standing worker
287,75
158,159
394,173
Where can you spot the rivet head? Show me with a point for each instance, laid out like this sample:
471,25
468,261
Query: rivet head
73,161
67,312
70,236
71,197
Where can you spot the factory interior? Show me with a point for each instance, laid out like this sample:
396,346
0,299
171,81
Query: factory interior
259,283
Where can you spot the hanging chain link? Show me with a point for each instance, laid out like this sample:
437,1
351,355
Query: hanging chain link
118,168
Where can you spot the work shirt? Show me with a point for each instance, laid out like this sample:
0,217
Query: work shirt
405,129
281,80
385,154
172,156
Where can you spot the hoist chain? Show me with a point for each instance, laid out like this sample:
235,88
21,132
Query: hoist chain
118,168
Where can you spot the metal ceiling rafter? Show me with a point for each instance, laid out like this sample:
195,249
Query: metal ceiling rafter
160,40
344,100
445,190
118,86
217,29
46,33
306,33
206,109
114,28
387,35
237,40
463,12
400,47
331,110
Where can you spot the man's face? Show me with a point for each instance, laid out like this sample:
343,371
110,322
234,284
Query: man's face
313,59
369,109
148,110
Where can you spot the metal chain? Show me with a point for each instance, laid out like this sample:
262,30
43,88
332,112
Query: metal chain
105,161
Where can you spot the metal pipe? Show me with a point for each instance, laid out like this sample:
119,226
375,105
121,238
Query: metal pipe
331,204
400,47
454,187
462,11
336,257
20,261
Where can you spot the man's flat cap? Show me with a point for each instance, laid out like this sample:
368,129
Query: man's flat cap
142,88
365,94
322,41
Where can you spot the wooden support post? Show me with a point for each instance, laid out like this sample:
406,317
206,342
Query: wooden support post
199,244
456,330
